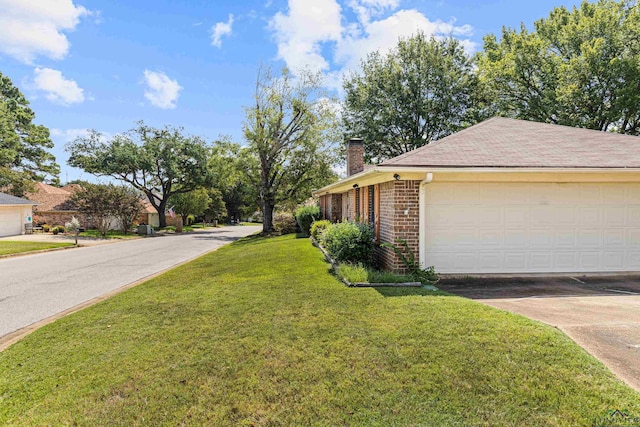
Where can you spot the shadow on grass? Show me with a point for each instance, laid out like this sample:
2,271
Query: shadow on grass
409,292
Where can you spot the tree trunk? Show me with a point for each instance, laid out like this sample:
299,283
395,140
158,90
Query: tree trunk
185,219
162,216
267,222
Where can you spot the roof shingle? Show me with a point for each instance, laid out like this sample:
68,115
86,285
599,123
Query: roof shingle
7,199
503,142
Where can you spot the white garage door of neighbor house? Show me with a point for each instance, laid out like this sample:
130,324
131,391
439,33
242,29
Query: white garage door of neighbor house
532,227
10,222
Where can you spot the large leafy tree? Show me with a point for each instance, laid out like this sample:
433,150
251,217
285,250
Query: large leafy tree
231,167
579,67
106,203
24,146
421,91
160,162
288,130
195,202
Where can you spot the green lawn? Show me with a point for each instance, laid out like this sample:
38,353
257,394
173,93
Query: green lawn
260,334
9,247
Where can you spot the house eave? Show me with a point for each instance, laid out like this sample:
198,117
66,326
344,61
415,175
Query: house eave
378,174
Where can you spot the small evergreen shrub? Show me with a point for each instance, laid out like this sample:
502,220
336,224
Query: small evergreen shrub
306,215
318,227
284,222
349,242
46,228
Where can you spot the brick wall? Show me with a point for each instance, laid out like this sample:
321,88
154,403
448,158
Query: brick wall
336,207
348,205
355,156
399,218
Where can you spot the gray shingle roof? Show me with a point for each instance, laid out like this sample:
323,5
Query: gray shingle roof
502,142
7,199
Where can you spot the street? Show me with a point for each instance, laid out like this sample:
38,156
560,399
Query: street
36,287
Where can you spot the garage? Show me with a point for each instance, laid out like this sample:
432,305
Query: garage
15,212
532,227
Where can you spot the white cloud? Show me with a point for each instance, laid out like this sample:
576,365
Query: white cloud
220,30
301,32
319,35
161,91
30,28
57,88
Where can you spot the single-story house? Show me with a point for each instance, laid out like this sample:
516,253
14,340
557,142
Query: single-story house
54,204
503,196
149,215
15,212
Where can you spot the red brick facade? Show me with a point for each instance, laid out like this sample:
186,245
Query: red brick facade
396,209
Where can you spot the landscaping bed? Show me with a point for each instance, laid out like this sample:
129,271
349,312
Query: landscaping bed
259,333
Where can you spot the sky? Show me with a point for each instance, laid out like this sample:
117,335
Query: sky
106,64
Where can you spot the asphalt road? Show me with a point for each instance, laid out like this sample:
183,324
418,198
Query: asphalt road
36,287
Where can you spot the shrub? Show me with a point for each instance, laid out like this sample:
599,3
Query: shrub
284,222
305,215
349,242
46,228
424,275
318,227
55,230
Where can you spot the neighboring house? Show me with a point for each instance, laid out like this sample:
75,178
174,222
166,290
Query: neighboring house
149,215
54,204
503,196
15,212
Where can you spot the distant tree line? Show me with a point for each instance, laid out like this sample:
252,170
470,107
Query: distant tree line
578,67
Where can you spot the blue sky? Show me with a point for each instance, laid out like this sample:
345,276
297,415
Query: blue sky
106,64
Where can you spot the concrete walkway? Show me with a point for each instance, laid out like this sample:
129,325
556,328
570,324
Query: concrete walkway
36,288
601,314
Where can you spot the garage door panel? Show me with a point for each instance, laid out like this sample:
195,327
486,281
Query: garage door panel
615,239
615,216
10,222
516,217
532,227
565,261
613,260
564,239
516,239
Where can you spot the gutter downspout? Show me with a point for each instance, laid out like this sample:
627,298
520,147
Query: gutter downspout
422,233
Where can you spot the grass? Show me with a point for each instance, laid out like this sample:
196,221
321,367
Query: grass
111,234
9,247
259,333
356,273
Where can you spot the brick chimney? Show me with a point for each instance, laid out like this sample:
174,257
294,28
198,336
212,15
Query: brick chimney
355,156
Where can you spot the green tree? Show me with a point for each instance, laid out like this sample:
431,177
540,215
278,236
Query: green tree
127,205
158,162
288,130
231,165
421,91
24,146
194,203
216,208
579,67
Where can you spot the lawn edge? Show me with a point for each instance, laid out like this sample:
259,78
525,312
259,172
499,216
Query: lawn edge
15,336
40,251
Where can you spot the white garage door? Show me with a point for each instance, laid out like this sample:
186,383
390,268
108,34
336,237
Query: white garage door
10,222
531,228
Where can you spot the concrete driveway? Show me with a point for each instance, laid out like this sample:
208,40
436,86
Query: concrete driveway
601,314
37,288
